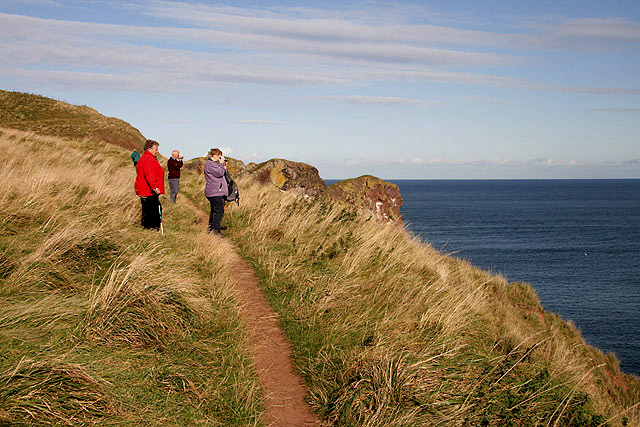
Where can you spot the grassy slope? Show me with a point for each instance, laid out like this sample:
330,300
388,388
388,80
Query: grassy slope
101,321
47,116
387,331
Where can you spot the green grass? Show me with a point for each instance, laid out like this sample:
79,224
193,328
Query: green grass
101,321
387,331
47,116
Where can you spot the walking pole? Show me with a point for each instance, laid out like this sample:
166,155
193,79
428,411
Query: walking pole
160,211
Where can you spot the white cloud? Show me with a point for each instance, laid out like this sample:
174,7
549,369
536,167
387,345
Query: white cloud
181,122
260,122
499,164
37,2
586,90
389,25
545,162
600,29
254,157
322,25
291,47
383,52
614,110
623,163
559,163
382,100
353,162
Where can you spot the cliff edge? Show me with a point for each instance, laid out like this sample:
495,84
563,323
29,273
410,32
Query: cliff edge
372,194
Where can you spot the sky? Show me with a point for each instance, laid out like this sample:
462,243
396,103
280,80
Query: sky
493,89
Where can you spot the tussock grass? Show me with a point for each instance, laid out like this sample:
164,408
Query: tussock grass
143,329
136,305
102,322
53,393
389,331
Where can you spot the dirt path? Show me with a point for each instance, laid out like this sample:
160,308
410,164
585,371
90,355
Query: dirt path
283,388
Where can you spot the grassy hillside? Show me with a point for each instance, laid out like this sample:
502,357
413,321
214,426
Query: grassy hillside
102,322
47,116
388,331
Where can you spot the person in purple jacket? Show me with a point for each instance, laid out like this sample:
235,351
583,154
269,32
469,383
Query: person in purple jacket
215,188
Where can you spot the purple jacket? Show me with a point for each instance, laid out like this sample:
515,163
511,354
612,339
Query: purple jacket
215,185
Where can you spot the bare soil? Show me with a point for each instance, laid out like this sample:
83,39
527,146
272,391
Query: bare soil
284,390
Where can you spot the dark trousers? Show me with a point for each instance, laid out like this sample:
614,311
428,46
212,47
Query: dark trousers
151,211
217,212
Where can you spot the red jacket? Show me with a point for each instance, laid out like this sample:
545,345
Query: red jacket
149,175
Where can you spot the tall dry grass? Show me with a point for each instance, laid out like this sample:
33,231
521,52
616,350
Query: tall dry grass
54,393
140,306
85,293
389,331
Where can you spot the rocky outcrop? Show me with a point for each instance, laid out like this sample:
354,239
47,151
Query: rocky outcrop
287,175
372,194
368,193
195,165
236,167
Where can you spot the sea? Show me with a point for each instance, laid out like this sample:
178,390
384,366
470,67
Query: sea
577,242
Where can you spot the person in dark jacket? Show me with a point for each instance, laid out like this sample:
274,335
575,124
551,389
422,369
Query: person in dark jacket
173,165
149,185
215,188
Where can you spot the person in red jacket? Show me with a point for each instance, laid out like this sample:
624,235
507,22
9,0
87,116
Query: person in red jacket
149,185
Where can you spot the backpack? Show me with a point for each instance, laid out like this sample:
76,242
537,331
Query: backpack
233,195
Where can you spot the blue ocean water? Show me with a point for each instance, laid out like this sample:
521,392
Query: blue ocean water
577,242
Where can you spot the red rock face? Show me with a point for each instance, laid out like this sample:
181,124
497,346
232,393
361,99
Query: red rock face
381,198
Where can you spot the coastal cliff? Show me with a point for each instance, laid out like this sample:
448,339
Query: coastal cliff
381,198
104,323
366,193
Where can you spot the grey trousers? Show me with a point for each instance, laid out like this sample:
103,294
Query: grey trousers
174,185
